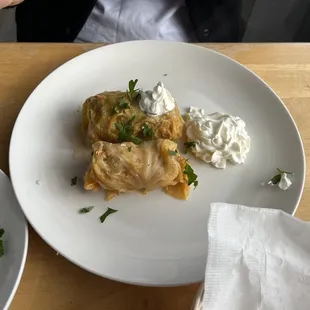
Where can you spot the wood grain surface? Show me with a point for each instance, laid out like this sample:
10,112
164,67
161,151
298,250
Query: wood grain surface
50,282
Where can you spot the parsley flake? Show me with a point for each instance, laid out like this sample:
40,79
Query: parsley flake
129,149
277,178
116,109
132,91
282,171
122,105
125,132
1,248
189,144
106,214
172,153
73,181
135,140
192,177
86,210
148,132
1,242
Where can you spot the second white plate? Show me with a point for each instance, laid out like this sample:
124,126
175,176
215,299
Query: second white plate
15,241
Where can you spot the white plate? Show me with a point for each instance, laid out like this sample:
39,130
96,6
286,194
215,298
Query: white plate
15,241
153,239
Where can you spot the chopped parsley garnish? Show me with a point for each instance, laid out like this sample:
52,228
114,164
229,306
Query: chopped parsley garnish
129,149
192,177
172,153
86,210
116,109
122,105
73,181
1,242
106,214
277,178
1,248
188,145
282,171
148,132
135,140
132,91
125,132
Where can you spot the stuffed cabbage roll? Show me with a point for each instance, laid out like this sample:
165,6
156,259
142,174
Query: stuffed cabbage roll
117,117
126,167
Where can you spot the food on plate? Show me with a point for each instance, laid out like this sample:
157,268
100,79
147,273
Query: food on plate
74,181
126,167
86,209
156,102
106,214
133,115
1,242
216,138
281,179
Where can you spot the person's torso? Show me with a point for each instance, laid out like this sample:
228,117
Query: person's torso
122,20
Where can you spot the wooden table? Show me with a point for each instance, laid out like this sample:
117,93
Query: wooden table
50,282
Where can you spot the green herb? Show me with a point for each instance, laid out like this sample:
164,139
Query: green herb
282,171
188,145
86,210
277,178
1,242
132,91
148,132
172,153
125,132
129,149
116,109
192,177
122,105
1,248
106,214
165,74
132,85
135,140
73,181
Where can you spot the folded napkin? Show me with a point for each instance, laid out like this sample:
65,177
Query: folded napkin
257,259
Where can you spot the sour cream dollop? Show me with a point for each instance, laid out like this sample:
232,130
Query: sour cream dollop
285,182
157,101
219,137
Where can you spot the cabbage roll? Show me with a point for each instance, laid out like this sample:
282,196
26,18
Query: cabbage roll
116,117
126,167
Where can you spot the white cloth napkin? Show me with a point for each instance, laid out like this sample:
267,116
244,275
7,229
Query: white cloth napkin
257,259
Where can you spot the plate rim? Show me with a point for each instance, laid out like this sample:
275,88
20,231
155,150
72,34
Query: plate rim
111,46
25,250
